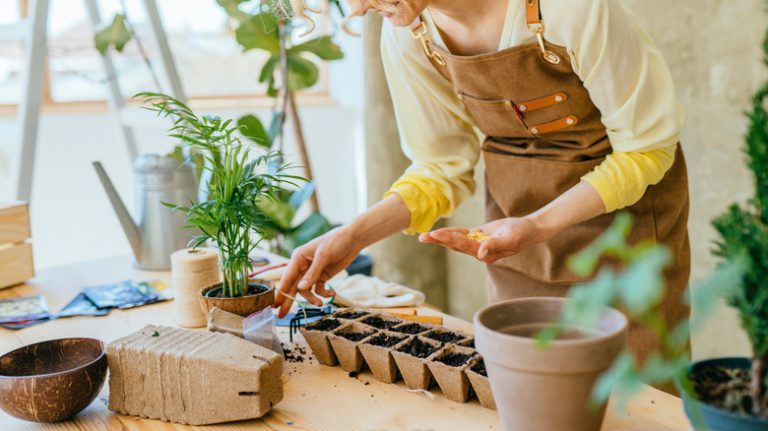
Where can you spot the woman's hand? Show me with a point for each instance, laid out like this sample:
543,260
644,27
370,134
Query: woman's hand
313,264
506,237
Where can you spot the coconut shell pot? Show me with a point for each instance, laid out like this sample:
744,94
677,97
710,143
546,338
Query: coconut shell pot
52,380
544,389
242,306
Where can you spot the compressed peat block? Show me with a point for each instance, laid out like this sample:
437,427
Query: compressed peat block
478,378
192,377
316,336
411,357
345,342
448,366
377,352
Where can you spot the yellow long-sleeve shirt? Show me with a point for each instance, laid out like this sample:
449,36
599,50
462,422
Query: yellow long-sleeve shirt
620,66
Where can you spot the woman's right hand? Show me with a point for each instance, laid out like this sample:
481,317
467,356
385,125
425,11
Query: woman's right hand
313,264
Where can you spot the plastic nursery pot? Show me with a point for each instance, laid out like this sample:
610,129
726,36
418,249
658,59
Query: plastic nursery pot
261,295
345,341
543,389
478,378
447,366
706,416
316,336
411,357
377,352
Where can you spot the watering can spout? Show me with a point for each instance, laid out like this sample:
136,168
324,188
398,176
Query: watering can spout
132,231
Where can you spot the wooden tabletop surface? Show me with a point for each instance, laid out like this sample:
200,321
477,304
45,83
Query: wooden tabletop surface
317,397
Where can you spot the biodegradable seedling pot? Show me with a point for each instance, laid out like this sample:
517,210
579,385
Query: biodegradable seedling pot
411,328
377,352
411,358
351,313
245,305
447,366
467,342
381,321
53,380
316,336
345,342
444,335
478,378
543,389
707,416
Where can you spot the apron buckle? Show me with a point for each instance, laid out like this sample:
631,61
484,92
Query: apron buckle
420,32
538,29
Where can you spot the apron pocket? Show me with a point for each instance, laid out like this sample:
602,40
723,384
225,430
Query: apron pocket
518,186
495,117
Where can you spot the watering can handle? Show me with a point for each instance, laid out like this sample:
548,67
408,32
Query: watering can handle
132,231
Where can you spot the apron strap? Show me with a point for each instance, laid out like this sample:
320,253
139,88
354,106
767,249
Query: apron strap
419,31
536,25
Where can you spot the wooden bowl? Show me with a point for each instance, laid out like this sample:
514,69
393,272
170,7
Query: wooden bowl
52,380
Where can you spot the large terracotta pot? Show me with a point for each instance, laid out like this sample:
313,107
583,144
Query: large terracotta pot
544,389
242,306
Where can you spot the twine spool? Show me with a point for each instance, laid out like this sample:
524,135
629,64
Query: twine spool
192,271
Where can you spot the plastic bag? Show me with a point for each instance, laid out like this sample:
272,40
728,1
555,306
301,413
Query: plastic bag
259,328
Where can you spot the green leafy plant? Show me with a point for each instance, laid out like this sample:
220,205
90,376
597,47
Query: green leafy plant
236,181
743,231
636,286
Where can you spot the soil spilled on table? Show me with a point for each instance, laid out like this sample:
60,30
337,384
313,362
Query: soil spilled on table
418,348
380,323
445,336
410,328
479,368
353,336
352,315
385,340
295,355
325,325
454,359
724,388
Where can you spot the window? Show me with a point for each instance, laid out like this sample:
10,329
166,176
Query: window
212,66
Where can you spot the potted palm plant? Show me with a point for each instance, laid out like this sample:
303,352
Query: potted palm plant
730,393
235,180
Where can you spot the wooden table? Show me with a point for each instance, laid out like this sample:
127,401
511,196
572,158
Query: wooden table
316,397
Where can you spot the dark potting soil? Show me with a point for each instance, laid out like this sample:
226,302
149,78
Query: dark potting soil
379,323
410,328
354,336
444,336
325,325
479,368
418,348
352,315
454,359
385,340
298,354
253,289
724,388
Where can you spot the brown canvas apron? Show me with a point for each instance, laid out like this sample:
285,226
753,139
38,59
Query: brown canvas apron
543,134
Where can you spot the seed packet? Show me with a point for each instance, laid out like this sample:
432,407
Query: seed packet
23,309
122,295
154,291
25,323
80,305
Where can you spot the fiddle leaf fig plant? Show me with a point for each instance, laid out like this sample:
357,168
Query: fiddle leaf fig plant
636,288
236,181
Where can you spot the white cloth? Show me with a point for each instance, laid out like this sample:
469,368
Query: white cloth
371,292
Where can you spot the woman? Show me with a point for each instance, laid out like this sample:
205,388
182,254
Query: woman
580,119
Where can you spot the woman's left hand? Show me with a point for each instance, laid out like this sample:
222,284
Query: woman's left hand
506,237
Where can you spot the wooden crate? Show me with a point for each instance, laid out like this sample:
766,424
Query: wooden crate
16,264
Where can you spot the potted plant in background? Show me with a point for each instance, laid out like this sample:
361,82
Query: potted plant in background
541,352
236,180
730,393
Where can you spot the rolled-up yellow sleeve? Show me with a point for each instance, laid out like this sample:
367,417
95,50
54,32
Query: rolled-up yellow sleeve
435,132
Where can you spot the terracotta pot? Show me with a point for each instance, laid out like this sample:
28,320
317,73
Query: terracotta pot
538,389
242,306
53,380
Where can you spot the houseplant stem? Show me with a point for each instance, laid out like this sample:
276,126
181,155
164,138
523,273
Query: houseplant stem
302,148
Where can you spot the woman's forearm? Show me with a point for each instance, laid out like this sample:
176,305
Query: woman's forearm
580,203
386,218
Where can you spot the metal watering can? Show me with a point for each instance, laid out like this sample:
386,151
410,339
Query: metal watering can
157,231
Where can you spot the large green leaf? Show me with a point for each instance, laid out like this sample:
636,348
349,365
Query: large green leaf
116,34
279,211
301,195
252,128
258,32
314,225
323,47
302,73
